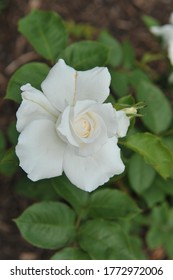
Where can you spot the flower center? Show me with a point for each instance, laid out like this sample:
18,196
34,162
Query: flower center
83,126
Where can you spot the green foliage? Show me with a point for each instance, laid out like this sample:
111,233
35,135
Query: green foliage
3,5
85,55
9,163
154,152
168,141
128,55
112,205
2,149
79,30
136,244
70,254
46,33
138,169
12,133
41,190
104,240
49,225
157,115
65,189
133,213
158,191
161,230
137,76
2,142
125,101
119,83
115,54
33,73
150,21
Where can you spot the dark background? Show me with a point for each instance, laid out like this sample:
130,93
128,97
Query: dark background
122,18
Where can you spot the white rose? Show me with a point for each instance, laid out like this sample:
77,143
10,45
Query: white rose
166,32
67,128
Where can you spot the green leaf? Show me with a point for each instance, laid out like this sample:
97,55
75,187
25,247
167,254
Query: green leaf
138,170
154,152
85,55
2,142
115,56
12,133
127,100
153,195
157,114
80,30
40,190
168,141
2,147
165,186
150,21
3,5
110,99
112,204
104,240
161,231
33,73
136,76
48,225
128,55
169,244
9,163
155,238
76,197
70,254
119,83
137,245
158,191
46,33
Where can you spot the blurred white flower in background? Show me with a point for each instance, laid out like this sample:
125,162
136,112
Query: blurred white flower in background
67,128
166,32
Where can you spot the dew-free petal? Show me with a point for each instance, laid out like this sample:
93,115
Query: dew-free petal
123,123
59,85
34,106
65,86
170,51
108,114
40,151
88,173
97,83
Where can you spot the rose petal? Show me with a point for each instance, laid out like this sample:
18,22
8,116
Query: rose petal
170,51
64,85
156,30
66,128
59,85
34,106
99,137
123,123
40,150
82,106
108,114
171,18
93,84
87,173
63,127
166,31
65,124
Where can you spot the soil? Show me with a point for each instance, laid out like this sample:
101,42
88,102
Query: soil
121,17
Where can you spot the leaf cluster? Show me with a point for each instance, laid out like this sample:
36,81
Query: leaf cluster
132,210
